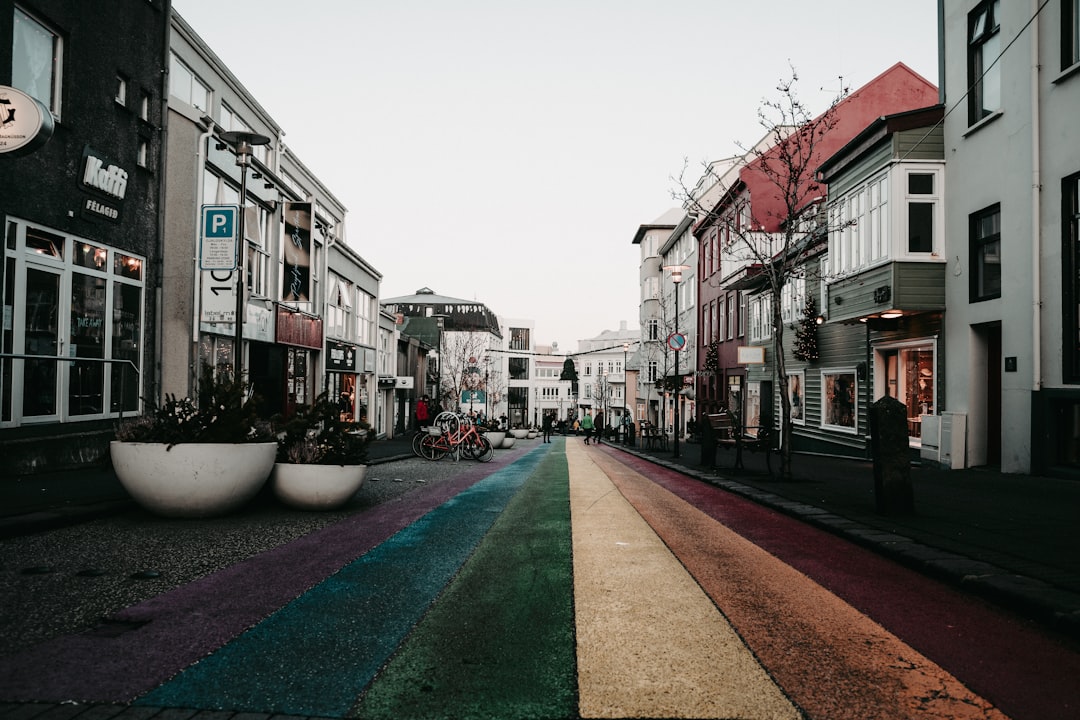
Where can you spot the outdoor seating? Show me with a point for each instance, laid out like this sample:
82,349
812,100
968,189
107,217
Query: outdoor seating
751,438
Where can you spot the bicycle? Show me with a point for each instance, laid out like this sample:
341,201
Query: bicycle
456,435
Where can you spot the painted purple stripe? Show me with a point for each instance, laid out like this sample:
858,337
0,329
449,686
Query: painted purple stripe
191,621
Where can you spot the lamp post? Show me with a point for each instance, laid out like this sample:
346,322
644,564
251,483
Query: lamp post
676,343
242,141
440,322
625,385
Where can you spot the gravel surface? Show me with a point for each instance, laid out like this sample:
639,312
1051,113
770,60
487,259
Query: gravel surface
69,579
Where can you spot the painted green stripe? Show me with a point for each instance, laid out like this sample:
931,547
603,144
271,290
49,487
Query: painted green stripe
315,655
500,642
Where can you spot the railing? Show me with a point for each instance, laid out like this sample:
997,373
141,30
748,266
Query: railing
110,361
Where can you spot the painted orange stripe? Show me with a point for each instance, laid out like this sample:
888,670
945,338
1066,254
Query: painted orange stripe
649,641
833,661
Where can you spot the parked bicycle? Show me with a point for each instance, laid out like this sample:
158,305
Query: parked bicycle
454,435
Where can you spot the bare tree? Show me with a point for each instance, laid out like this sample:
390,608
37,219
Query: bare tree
773,233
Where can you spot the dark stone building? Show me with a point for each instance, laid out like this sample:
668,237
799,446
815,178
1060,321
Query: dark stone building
81,224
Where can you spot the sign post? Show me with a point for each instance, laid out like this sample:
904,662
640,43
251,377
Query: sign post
219,240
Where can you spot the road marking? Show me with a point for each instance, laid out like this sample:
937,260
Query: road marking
650,642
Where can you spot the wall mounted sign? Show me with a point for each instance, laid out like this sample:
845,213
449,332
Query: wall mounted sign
106,182
296,285
25,123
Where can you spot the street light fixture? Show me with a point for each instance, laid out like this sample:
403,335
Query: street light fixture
625,384
440,322
242,141
676,342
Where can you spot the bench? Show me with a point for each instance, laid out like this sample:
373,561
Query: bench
653,438
725,434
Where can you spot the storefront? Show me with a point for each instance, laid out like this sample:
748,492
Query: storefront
907,371
71,298
299,337
342,380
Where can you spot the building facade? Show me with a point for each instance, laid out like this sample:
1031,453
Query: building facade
82,274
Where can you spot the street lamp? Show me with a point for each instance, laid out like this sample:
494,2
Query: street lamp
440,322
625,384
676,342
242,141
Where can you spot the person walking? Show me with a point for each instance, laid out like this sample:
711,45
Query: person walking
587,425
546,425
423,412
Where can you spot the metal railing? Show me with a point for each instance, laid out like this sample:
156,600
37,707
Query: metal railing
110,361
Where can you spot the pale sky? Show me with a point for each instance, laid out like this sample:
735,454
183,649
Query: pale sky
507,151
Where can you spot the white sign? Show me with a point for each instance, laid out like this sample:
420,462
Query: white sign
218,296
218,246
405,383
25,123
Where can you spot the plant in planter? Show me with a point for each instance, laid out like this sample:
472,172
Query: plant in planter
494,435
320,458
196,458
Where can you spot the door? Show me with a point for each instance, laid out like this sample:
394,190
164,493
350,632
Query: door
41,336
993,395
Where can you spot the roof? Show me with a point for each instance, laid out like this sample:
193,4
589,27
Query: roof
668,221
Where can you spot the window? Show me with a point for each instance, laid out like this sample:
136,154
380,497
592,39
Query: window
797,397
36,60
654,329
519,339
731,308
652,373
922,204
184,85
339,307
82,301
1070,273
142,156
986,254
839,399
121,90
1070,33
144,106
859,226
793,299
519,368
984,72
760,317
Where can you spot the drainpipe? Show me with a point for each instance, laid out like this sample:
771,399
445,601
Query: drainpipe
1036,209
196,274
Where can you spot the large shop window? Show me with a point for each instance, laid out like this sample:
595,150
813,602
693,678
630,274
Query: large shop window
68,298
840,393
910,378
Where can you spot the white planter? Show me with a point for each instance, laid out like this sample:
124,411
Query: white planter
508,442
520,433
192,479
532,435
495,437
316,487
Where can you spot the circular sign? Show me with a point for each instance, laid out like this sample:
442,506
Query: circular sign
25,123
676,341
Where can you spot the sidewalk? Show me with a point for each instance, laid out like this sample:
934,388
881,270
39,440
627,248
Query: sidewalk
1012,539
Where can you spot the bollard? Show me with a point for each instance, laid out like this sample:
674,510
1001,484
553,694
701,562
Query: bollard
893,493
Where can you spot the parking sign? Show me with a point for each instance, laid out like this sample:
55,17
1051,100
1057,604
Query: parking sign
218,245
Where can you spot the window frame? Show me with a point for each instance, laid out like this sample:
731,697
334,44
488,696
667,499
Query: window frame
56,77
1070,275
1070,34
977,247
980,43
826,407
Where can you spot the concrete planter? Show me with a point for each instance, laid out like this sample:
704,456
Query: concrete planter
520,433
192,479
508,442
316,487
495,437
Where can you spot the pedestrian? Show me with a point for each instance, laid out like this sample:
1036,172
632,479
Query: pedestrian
423,412
546,424
587,425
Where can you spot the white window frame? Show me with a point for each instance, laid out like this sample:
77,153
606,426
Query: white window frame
853,429
183,84
936,198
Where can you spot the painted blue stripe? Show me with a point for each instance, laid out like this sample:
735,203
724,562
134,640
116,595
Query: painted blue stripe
315,655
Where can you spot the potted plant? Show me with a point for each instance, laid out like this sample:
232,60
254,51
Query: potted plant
494,435
196,458
320,458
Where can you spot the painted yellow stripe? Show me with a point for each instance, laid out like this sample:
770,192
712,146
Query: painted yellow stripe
650,643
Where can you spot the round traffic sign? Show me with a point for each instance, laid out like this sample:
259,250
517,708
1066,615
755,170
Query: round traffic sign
676,341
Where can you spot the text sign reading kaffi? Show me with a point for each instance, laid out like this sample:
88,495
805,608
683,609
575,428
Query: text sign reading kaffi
218,246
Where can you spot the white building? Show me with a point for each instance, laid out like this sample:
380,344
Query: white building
1011,86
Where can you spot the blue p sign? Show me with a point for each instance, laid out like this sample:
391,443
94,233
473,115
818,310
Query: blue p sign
219,237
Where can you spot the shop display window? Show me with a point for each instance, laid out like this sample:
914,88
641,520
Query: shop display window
839,399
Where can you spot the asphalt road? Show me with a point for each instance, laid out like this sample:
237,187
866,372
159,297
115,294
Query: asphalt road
559,581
